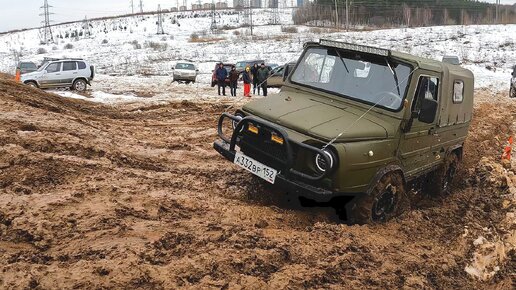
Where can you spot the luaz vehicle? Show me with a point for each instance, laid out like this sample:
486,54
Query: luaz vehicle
278,75
26,67
61,73
359,122
185,72
227,66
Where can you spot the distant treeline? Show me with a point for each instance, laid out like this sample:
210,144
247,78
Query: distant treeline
386,13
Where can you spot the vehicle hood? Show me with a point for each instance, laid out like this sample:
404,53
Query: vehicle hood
323,118
31,75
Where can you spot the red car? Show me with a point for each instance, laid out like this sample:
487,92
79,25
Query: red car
227,66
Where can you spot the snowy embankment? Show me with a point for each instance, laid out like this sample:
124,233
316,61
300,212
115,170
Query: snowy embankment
133,61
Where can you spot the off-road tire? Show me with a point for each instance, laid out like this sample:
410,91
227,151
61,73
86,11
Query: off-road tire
512,92
369,209
79,85
440,182
32,84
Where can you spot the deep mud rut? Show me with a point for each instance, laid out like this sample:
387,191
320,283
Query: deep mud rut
135,197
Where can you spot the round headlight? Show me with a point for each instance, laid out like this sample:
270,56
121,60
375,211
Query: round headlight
320,162
235,122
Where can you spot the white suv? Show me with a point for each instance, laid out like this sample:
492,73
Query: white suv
61,73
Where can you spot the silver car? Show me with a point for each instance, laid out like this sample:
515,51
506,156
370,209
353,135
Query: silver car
63,73
185,72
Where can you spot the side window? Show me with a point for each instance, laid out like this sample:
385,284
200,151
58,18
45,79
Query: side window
458,91
69,65
54,67
81,64
427,88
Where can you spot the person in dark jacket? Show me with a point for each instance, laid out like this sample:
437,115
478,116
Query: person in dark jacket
233,80
256,83
263,75
221,73
247,78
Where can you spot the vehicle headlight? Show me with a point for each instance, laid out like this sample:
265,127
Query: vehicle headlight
320,162
234,123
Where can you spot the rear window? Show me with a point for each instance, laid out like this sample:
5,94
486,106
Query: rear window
28,65
81,64
187,66
69,65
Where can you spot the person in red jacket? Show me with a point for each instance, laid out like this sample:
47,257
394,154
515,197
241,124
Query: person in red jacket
246,77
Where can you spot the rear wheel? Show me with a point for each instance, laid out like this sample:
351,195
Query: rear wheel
382,203
79,85
440,182
512,92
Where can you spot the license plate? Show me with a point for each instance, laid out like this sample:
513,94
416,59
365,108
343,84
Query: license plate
255,167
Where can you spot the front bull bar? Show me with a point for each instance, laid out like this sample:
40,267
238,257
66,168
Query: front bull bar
289,164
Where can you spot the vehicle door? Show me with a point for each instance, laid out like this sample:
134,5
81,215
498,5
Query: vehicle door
420,131
69,73
52,75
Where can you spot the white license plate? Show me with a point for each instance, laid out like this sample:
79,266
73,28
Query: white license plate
255,167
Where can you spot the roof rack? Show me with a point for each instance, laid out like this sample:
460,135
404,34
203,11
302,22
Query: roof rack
62,58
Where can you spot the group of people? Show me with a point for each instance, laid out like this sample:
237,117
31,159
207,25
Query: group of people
256,75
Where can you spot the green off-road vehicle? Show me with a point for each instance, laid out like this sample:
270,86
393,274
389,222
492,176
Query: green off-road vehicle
355,121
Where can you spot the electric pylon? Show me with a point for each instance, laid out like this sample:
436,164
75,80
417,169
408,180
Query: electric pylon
141,6
47,33
160,21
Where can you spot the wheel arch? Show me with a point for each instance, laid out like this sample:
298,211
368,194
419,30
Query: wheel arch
81,78
456,149
389,169
32,81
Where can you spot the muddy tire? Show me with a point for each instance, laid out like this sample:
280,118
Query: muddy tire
440,182
512,92
382,203
32,84
79,85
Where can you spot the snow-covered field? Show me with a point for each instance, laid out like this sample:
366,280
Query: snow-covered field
132,61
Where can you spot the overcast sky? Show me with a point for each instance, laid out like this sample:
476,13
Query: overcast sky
25,13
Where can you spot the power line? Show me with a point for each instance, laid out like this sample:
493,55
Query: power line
47,33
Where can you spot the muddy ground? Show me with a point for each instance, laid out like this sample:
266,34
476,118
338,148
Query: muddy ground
134,196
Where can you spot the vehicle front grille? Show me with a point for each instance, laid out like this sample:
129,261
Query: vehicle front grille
262,148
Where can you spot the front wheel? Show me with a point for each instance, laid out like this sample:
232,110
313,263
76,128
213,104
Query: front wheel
382,203
512,92
32,84
79,85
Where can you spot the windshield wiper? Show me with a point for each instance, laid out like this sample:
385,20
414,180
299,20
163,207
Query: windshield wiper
342,59
395,76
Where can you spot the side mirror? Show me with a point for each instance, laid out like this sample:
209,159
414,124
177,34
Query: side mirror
196,70
286,71
428,111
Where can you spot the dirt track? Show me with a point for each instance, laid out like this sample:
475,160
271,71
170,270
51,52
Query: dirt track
135,197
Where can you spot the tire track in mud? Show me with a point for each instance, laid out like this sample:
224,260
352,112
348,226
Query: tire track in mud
134,197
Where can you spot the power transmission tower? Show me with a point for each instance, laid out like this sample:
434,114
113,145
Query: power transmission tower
47,33
160,21
141,6
213,21
132,6
275,11
86,27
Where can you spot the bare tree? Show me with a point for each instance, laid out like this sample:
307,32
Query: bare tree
407,14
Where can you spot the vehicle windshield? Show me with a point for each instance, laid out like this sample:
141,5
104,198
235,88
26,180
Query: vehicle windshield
188,66
241,64
367,78
43,65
